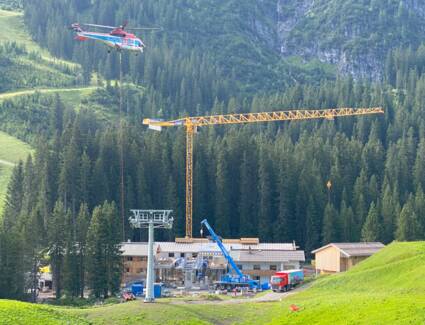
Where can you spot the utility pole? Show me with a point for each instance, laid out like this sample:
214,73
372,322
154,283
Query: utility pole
151,219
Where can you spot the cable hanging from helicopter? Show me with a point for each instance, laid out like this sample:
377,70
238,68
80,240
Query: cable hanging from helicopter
119,39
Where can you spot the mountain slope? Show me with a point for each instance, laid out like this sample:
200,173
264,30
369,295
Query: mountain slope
254,42
238,39
354,35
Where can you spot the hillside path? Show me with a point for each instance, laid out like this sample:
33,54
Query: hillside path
7,163
43,91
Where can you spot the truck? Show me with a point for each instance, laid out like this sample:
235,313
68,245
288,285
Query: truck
230,281
286,280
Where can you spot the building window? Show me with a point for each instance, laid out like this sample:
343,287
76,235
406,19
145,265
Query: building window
144,258
139,270
240,267
257,267
127,270
181,254
194,255
129,258
273,267
170,254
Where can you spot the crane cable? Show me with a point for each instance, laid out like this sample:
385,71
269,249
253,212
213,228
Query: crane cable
121,140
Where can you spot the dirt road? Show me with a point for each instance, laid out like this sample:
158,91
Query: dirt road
268,297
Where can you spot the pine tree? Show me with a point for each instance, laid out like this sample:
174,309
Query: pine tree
96,266
408,226
171,202
57,244
248,198
312,227
265,210
285,228
419,167
56,123
104,263
85,178
12,268
389,213
222,208
29,188
348,223
15,193
70,273
420,206
69,176
83,222
331,228
372,231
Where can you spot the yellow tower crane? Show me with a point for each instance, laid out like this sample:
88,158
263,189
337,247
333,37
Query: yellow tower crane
192,123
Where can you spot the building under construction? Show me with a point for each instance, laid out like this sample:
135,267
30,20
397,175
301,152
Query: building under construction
199,262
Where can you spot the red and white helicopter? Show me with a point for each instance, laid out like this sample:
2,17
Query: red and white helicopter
118,38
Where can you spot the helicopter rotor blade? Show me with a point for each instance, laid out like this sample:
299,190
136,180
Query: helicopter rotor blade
123,26
145,28
100,26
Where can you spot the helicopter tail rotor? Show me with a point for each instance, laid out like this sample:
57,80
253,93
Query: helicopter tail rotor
76,27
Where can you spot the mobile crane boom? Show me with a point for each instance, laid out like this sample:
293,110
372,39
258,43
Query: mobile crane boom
223,249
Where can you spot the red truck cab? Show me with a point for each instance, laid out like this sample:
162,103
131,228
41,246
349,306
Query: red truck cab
286,280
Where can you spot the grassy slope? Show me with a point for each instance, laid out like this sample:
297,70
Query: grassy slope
388,288
12,29
11,151
12,312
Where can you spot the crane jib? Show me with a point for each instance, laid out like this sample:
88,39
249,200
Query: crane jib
191,124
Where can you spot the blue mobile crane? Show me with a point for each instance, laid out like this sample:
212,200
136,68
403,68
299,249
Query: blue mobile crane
230,281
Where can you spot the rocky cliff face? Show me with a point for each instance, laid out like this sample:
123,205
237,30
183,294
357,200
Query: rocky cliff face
354,35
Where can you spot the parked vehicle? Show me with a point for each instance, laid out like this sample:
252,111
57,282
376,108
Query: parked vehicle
127,296
286,280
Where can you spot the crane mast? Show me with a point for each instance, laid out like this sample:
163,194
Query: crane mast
192,123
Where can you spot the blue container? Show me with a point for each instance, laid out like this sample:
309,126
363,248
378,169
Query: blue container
265,286
157,288
137,290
